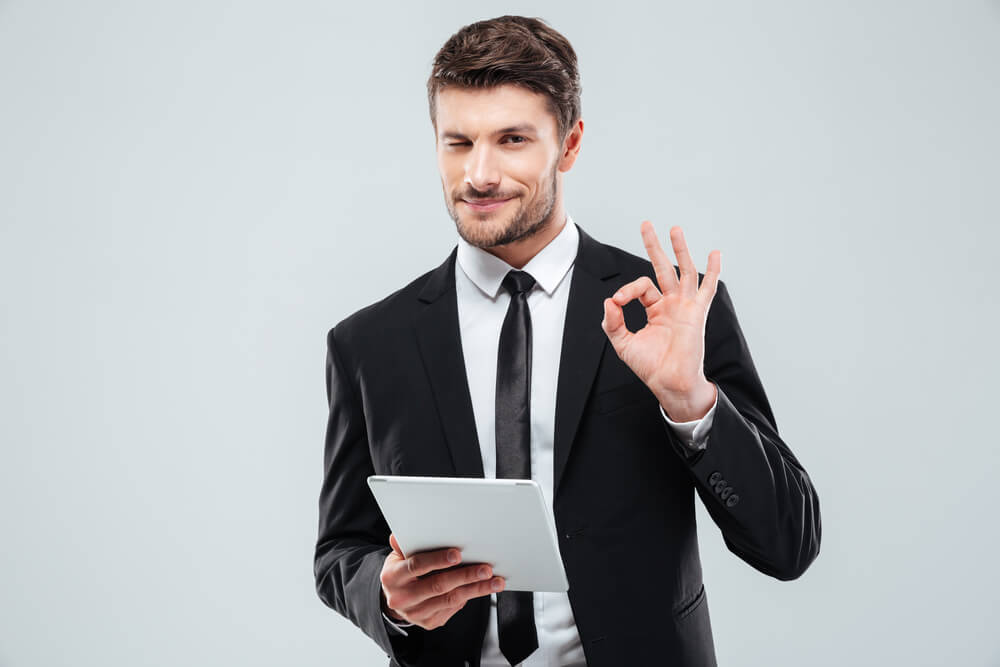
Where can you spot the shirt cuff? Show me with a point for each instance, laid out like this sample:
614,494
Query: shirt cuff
397,625
694,434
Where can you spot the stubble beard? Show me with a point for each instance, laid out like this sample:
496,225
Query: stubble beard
484,232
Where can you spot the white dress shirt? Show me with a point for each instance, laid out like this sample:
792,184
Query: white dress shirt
482,306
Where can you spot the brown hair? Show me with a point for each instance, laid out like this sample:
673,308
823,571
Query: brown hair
511,49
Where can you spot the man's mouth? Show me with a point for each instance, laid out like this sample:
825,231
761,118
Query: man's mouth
485,204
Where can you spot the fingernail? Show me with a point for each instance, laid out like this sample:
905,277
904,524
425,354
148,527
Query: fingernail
618,295
483,572
452,556
497,584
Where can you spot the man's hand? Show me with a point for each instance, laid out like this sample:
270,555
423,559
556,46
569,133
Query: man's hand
413,591
668,353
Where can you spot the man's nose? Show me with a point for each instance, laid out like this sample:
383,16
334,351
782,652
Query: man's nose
481,170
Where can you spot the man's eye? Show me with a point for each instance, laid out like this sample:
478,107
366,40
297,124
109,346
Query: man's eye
509,136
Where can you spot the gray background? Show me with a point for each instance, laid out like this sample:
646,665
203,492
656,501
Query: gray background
192,193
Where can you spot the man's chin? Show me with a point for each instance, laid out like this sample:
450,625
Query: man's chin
471,232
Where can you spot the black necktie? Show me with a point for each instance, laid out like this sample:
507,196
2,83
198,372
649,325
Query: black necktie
515,609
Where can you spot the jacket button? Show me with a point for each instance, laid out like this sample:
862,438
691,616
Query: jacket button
732,500
720,485
725,492
714,477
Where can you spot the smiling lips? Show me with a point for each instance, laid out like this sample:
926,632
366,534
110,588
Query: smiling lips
485,204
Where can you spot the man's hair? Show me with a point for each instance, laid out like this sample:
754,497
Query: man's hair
515,50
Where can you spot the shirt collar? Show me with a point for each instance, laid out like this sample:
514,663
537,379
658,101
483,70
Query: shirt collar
547,267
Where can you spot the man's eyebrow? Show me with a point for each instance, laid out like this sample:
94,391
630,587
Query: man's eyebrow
522,127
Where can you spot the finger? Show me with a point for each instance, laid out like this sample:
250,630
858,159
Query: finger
395,545
398,581
666,274
614,324
641,288
710,281
689,274
454,599
391,569
425,562
444,582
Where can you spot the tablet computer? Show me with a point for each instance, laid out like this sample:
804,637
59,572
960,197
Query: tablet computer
503,522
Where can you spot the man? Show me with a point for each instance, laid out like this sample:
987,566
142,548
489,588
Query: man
621,385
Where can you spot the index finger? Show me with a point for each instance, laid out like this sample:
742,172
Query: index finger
425,562
666,275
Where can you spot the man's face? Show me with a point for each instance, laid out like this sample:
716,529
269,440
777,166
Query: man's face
498,147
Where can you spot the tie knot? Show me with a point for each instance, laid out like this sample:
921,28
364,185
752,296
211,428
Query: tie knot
517,281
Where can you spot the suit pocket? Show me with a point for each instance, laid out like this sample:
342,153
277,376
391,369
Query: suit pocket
633,393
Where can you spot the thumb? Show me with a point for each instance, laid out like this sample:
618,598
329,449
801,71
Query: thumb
395,545
614,325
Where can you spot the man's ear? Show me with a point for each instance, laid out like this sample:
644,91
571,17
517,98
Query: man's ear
571,146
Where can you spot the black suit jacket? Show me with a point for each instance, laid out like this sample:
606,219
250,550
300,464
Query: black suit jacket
624,487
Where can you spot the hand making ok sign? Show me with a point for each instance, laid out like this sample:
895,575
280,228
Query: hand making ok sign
668,353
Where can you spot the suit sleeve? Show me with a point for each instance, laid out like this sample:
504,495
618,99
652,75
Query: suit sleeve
753,487
396,627
353,539
693,434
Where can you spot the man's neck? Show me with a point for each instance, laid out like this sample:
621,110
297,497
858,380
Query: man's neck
519,253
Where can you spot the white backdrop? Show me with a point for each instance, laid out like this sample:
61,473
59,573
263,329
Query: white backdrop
193,193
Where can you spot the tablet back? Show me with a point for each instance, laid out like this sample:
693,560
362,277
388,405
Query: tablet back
504,522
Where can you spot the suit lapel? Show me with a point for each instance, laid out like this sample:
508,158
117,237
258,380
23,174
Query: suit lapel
583,345
440,346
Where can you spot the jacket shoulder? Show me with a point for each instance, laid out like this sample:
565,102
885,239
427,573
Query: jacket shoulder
634,266
388,313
